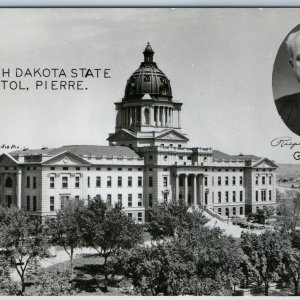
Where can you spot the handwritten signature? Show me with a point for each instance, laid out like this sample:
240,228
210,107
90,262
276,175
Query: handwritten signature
6,146
286,142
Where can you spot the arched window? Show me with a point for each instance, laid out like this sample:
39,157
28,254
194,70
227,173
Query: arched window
8,182
147,118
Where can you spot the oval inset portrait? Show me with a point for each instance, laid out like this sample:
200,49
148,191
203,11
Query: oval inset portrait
286,80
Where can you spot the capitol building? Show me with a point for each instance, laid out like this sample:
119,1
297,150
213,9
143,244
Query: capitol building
147,161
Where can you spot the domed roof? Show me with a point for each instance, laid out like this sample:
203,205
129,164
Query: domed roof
148,79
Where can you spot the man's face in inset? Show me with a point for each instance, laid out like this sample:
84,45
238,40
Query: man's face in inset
295,57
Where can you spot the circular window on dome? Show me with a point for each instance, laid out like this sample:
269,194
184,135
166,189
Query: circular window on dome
286,80
147,78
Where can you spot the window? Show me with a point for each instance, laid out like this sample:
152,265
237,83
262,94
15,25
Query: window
226,196
108,181
27,182
129,200
77,168
241,211
165,197
256,180
64,182
205,181
140,217
263,180
234,211
63,199
180,157
51,203
119,181
129,169
140,181
140,200
129,181
52,182
233,196
219,180
77,185
150,200
108,169
52,168
226,180
270,180
109,200
263,195
120,198
130,216
150,181
241,196
227,212
256,195
219,211
270,195
76,197
165,181
119,169
233,180
88,181
241,180
219,197
34,203
98,181
65,168
34,182
206,197
28,203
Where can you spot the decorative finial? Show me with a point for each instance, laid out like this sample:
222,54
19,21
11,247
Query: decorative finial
148,53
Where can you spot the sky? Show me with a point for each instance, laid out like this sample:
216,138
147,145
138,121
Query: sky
219,62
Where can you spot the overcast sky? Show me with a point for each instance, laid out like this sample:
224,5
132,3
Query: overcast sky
219,62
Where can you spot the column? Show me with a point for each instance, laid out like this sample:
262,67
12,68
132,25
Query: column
179,118
161,116
131,115
176,187
186,188
195,202
19,188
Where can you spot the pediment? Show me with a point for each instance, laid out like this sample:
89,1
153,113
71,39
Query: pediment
6,159
66,159
172,135
264,163
122,135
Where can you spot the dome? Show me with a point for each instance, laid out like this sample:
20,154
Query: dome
148,79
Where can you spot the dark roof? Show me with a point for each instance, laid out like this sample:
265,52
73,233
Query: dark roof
80,150
31,151
221,155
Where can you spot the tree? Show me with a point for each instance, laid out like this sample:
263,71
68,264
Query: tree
263,214
65,229
200,262
291,267
23,240
289,212
108,230
55,283
265,253
169,219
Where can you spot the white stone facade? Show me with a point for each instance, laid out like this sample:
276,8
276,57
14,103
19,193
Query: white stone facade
147,162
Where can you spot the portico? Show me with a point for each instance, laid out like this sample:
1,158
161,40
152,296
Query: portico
189,187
